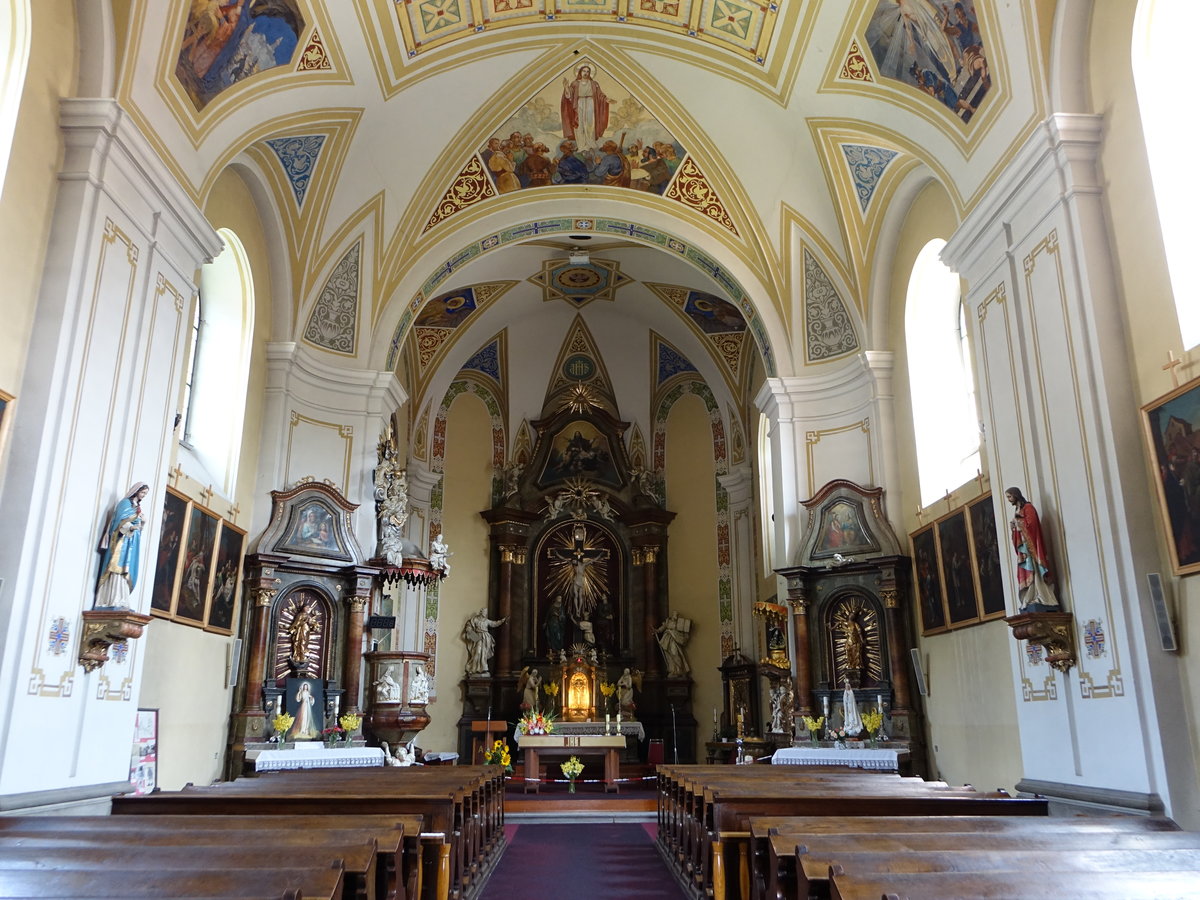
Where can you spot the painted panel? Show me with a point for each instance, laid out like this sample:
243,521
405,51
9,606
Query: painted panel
224,43
936,48
586,130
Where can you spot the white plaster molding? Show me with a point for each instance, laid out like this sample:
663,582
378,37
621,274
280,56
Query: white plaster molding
739,485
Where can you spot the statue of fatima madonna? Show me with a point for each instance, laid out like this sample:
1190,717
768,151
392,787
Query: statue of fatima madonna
851,720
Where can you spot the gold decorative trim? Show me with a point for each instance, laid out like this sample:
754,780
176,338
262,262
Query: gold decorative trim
690,187
470,186
346,432
314,58
855,68
812,438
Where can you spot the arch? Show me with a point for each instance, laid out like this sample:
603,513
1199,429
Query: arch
216,407
15,36
662,409
765,331
1069,56
437,465
945,422
1156,28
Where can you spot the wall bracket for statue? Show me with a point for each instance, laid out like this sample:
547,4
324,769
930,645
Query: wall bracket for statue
1054,632
104,627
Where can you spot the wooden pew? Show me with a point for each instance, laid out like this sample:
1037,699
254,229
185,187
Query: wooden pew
1016,886
356,851
774,839
462,808
398,836
291,883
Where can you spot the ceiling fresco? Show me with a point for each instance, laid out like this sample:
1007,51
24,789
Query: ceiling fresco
579,283
224,43
936,48
739,26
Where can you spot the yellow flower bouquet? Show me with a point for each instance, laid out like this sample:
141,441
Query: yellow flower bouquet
872,721
280,725
350,723
814,728
499,755
572,768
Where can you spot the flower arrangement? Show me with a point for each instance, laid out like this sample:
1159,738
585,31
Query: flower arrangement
333,735
814,727
499,756
837,734
536,723
572,768
280,725
350,723
872,721
607,688
550,689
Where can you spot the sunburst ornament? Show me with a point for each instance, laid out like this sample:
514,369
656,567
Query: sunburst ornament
580,398
854,627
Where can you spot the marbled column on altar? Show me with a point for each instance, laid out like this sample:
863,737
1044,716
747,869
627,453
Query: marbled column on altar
798,601
362,580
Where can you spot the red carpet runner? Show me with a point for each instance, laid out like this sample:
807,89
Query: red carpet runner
581,862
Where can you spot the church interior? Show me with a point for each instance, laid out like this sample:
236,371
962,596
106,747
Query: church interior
704,367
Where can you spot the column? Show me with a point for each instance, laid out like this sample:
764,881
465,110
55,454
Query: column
646,557
95,410
739,488
357,604
901,693
798,601
512,556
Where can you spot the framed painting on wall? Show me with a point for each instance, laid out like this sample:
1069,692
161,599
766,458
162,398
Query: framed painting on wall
6,401
170,544
197,565
928,580
958,575
226,580
1173,431
985,546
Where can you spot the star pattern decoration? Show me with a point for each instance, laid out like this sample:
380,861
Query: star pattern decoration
579,285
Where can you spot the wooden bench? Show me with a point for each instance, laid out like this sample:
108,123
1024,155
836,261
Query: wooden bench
774,840
1009,885
290,883
462,809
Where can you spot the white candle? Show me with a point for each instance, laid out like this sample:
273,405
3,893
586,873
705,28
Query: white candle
618,720
606,723
879,702
714,715
825,704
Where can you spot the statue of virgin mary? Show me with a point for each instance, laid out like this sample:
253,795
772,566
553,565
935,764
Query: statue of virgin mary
851,720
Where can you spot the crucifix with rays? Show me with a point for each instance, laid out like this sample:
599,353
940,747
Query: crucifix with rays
579,566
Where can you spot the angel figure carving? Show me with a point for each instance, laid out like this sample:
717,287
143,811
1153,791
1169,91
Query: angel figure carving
528,684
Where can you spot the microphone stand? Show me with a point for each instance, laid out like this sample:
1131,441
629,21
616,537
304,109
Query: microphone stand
674,734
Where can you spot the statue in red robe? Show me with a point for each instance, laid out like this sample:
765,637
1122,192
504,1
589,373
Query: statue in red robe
1035,578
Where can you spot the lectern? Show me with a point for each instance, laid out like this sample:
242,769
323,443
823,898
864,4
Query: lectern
482,731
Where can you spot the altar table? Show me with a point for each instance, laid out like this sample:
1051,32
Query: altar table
564,745
314,757
879,760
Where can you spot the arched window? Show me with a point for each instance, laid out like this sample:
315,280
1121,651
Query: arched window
14,60
215,401
766,492
945,420
1160,67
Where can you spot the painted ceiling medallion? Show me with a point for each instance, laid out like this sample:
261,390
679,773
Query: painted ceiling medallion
866,165
333,322
691,188
560,279
855,67
314,58
471,186
298,155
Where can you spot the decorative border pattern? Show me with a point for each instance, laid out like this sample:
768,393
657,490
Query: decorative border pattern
332,325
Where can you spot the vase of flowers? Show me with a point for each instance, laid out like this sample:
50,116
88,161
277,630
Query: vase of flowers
814,729
536,723
499,755
279,726
838,736
332,736
572,768
550,689
873,722
350,723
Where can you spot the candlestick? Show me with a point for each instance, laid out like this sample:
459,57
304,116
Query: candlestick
607,723
618,721
825,705
879,703
714,715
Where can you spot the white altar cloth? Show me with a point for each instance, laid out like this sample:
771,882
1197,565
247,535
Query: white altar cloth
882,760
315,757
628,729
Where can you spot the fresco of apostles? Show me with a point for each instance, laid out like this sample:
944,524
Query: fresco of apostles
587,130
936,47
224,43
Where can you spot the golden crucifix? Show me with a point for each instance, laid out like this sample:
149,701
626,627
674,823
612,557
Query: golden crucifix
579,566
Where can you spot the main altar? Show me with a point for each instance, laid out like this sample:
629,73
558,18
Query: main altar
578,601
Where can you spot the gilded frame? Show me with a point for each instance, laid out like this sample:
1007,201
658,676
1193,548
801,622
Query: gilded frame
1172,428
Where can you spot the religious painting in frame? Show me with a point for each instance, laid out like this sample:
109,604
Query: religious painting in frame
170,546
841,531
143,763
197,573
958,574
580,450
226,580
1173,432
985,546
928,580
304,699
313,531
6,401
